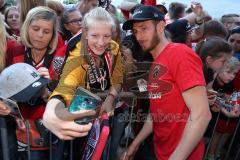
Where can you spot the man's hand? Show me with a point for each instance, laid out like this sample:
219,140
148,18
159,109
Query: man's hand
130,152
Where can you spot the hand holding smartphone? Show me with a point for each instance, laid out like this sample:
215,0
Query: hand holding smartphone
84,100
212,92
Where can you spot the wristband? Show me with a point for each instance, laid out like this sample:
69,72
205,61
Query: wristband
110,94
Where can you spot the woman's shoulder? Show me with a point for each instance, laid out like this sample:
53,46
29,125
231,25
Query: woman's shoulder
12,44
15,52
114,46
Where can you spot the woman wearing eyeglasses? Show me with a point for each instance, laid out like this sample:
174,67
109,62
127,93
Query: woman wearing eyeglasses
95,64
71,23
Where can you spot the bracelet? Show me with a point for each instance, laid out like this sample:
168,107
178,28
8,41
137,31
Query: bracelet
110,94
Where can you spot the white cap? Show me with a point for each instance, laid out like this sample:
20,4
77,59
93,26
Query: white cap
127,5
20,82
160,2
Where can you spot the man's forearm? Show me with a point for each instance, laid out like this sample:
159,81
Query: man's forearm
200,115
145,131
192,134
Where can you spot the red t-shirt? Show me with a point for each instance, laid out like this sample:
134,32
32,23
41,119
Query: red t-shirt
174,71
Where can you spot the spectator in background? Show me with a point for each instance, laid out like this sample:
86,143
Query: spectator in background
12,18
227,121
230,21
57,7
112,10
161,6
234,40
197,18
127,6
3,44
176,10
85,6
214,52
214,28
180,31
26,5
3,6
71,23
4,110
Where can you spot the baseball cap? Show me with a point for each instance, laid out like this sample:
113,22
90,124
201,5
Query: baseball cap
178,27
143,13
20,82
235,30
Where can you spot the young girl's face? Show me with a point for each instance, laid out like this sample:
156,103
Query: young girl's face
99,36
227,75
217,63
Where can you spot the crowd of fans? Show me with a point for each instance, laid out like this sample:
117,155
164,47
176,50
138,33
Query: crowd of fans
191,57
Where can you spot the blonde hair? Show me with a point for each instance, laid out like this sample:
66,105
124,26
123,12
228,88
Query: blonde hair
40,13
91,18
3,44
232,64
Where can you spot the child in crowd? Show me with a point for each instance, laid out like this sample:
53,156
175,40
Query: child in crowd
214,52
227,122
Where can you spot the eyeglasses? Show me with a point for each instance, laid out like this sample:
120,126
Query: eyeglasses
75,21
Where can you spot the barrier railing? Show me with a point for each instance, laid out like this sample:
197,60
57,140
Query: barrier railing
126,96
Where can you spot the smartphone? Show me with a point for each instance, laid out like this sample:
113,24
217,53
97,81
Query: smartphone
85,100
15,112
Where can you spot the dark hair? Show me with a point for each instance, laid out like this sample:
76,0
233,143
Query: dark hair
178,30
176,10
214,47
235,30
225,18
189,10
214,28
64,20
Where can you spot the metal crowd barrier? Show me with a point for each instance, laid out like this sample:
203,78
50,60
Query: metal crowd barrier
126,96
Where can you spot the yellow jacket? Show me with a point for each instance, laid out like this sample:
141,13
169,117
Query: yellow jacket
74,72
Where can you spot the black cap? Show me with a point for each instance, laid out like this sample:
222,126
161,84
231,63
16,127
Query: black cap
235,30
143,13
178,27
